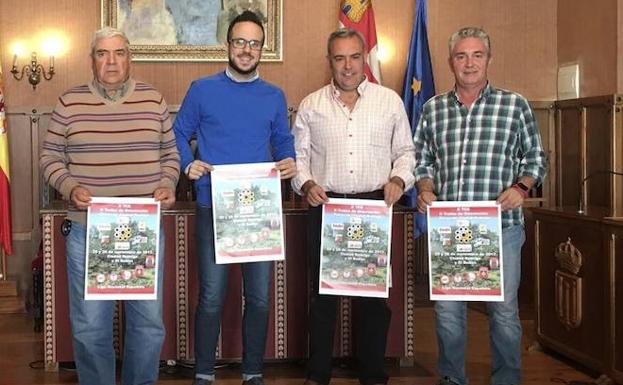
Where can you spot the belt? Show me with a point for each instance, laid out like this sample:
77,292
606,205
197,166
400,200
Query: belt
377,194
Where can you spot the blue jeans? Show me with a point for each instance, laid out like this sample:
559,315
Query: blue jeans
212,291
504,324
92,331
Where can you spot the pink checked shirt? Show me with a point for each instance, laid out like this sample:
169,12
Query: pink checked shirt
353,151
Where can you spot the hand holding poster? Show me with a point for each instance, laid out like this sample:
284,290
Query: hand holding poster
355,248
465,251
246,202
122,249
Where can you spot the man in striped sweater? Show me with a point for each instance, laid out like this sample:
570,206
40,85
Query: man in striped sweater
110,137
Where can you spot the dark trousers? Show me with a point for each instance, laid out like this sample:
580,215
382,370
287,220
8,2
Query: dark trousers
372,323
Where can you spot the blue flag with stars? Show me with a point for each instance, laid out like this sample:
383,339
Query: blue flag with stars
418,87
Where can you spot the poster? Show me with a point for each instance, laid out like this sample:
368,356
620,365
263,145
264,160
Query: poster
122,249
355,248
465,251
247,212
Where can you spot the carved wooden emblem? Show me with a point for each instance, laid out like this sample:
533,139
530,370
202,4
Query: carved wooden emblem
568,285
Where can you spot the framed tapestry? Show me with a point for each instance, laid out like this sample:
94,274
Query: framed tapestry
189,30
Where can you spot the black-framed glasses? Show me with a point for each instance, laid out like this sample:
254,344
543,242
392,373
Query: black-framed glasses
240,43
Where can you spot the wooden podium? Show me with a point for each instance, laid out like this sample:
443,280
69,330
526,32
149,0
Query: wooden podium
287,335
579,253
579,278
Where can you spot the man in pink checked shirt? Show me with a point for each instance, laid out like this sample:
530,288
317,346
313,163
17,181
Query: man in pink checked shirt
352,140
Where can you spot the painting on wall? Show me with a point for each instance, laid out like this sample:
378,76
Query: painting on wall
189,30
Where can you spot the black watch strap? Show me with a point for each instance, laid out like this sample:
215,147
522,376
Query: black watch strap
522,186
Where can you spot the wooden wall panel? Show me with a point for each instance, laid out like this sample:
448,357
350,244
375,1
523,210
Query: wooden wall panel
523,33
569,153
588,145
523,42
591,42
21,174
617,279
304,69
598,154
30,20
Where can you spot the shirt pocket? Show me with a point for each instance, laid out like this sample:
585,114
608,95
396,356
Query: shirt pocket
380,137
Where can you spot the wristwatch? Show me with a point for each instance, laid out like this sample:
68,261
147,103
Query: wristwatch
522,189
522,186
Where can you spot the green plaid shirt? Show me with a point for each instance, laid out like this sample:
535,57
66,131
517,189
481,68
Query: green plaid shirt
475,153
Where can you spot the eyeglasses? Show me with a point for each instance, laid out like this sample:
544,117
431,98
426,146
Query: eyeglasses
240,43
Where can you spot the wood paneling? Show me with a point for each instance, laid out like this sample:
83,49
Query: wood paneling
568,152
523,42
589,137
523,34
598,138
587,35
617,301
579,287
28,21
288,324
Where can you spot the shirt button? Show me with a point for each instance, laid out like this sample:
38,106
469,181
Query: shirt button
350,135
351,171
351,153
464,161
350,118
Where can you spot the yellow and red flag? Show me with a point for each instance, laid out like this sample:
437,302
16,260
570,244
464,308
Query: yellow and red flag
358,15
6,243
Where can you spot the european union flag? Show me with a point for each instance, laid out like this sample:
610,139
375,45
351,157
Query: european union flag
419,86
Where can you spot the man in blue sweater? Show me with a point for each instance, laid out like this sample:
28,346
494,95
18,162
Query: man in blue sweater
236,117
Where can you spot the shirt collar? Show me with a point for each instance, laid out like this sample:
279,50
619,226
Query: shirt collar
484,93
361,88
121,91
230,74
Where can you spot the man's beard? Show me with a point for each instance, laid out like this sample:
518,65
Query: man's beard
251,70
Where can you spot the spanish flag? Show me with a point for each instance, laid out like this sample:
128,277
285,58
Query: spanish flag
6,243
358,15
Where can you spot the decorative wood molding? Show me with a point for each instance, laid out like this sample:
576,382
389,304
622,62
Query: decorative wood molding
568,285
181,270
346,310
409,292
49,335
281,309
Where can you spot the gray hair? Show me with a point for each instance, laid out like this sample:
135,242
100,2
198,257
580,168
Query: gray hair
466,32
344,33
108,32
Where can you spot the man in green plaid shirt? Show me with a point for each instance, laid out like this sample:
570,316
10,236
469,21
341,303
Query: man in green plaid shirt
478,142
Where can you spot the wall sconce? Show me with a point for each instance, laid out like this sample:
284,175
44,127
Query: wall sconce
34,70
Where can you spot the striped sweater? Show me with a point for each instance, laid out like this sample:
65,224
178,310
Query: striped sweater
113,148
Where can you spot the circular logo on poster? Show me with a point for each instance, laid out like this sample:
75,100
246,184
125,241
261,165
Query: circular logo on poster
355,232
123,232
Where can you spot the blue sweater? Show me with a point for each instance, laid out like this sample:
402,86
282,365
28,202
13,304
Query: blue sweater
233,123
